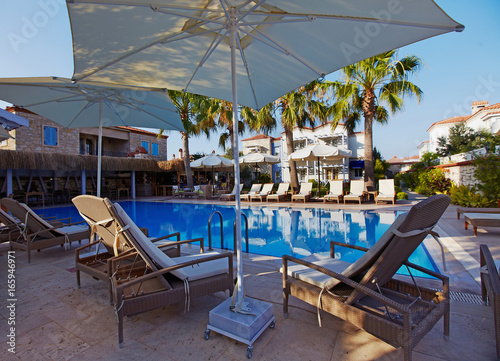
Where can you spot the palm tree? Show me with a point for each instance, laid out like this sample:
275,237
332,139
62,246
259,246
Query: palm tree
367,85
218,114
188,105
297,109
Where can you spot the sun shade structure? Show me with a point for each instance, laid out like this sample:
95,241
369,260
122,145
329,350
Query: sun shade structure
212,162
270,46
319,152
11,121
257,158
92,104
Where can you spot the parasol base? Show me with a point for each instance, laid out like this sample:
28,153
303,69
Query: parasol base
241,327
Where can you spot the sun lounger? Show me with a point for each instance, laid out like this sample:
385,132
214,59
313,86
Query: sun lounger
94,258
231,196
304,192
262,195
40,234
357,192
10,227
481,220
461,210
490,288
386,191
365,293
253,190
281,194
164,280
336,192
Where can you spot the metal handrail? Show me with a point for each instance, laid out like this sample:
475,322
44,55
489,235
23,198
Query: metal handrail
210,231
246,233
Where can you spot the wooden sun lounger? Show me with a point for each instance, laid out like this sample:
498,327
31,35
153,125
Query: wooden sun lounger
461,210
481,220
490,288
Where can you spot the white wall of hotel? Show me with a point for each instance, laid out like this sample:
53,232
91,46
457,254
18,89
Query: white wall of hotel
336,170
483,117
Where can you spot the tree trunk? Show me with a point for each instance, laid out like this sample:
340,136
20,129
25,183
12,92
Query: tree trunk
294,180
187,161
369,114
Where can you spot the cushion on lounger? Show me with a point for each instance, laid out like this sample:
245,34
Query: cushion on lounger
160,258
204,269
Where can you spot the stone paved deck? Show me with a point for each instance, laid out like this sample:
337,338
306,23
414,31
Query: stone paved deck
57,321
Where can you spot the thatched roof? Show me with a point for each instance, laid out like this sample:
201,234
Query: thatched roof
174,165
10,159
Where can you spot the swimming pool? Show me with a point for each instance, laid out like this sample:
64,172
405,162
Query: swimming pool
272,231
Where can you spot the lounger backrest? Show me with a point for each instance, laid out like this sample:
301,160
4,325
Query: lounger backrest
386,186
255,188
154,257
267,188
357,187
96,213
283,188
336,187
305,188
233,192
31,220
6,219
422,216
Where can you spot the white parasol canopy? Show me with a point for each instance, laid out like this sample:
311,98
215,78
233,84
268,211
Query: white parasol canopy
92,104
319,152
270,46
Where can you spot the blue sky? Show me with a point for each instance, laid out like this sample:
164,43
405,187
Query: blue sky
460,67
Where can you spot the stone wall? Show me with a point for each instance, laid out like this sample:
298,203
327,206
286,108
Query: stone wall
31,139
460,173
137,138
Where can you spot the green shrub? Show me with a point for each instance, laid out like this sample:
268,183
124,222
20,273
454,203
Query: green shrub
466,196
264,178
487,172
402,195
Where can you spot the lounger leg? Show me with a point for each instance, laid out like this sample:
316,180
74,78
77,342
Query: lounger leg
475,231
285,303
78,278
496,317
446,328
120,329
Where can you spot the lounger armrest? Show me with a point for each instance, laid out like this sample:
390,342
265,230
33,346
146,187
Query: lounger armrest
179,243
79,249
427,271
486,259
352,246
176,234
163,271
403,309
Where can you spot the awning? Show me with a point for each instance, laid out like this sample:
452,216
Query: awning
356,164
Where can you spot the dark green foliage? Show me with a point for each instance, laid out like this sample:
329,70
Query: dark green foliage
463,139
264,178
402,195
467,196
487,172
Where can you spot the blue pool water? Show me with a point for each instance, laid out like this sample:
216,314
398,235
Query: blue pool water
272,231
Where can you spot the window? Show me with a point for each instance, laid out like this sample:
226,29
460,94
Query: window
154,149
358,172
145,145
50,136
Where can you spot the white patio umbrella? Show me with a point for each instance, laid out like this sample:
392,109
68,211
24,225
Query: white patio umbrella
258,158
318,152
212,161
10,121
281,45
4,134
92,104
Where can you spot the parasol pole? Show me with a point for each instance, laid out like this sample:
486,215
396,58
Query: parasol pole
99,149
232,31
